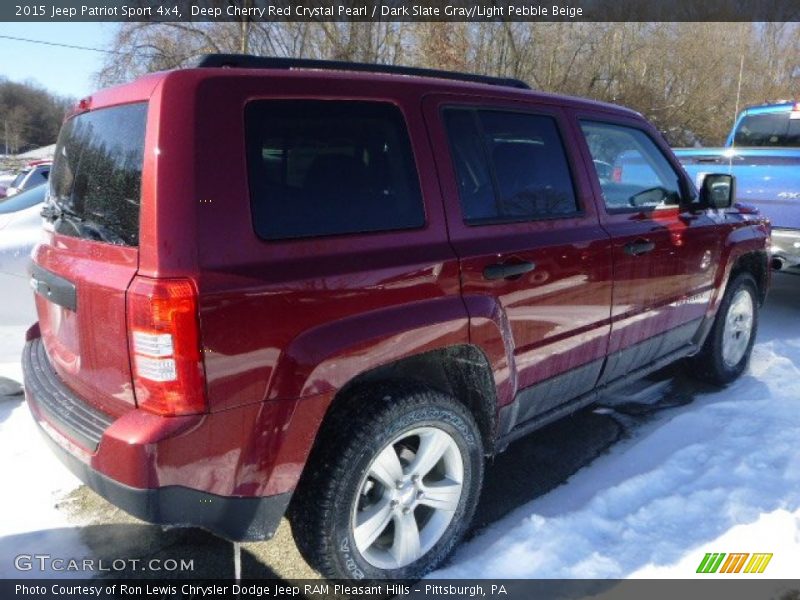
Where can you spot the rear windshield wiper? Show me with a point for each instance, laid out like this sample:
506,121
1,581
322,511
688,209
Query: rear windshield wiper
52,212
85,227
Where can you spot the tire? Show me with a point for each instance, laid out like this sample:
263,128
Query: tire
347,483
727,348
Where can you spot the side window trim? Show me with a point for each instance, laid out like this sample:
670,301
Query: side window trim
474,110
604,120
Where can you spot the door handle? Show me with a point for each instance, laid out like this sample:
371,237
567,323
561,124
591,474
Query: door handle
639,247
508,271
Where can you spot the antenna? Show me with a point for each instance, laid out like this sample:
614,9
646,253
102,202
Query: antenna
735,115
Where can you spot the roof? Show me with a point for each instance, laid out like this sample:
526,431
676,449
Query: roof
427,81
771,108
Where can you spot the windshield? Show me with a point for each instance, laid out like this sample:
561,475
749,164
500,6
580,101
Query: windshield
20,178
96,175
769,129
23,200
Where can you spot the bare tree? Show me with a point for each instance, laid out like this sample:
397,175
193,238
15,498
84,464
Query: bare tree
683,76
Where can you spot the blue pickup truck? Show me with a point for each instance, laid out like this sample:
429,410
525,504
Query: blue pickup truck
763,152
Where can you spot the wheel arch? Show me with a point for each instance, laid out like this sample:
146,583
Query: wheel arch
461,371
757,264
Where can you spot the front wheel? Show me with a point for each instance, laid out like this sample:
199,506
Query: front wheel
727,349
393,490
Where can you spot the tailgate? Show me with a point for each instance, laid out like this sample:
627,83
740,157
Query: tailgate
81,272
80,300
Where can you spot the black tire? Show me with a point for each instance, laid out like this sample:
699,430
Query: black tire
322,512
710,364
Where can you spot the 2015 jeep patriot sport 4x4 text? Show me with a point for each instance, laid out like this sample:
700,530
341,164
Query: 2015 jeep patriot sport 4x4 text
270,288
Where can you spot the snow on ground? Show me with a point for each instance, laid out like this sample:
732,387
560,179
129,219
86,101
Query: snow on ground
721,474
43,153
34,479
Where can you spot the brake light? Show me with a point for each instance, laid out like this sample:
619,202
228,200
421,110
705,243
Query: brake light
616,175
164,337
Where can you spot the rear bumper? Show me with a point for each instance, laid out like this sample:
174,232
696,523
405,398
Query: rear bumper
82,437
237,519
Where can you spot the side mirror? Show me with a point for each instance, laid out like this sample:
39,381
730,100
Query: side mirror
718,191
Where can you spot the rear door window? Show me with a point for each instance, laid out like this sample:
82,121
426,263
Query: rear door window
95,179
511,166
322,168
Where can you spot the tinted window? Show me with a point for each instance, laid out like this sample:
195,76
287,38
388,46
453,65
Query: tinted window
96,175
769,129
471,166
633,172
510,166
322,168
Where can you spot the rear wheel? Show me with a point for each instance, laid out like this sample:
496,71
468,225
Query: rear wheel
391,488
729,344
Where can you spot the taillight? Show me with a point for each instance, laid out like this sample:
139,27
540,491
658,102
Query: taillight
164,338
616,175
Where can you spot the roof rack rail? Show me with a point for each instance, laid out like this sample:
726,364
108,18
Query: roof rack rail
248,61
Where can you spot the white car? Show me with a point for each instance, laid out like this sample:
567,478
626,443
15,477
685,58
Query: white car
33,175
20,230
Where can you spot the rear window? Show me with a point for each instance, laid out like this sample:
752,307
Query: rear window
95,180
321,168
769,129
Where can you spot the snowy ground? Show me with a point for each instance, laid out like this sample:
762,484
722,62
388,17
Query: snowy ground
679,471
35,480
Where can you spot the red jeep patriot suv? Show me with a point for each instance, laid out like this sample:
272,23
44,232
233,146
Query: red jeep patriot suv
331,290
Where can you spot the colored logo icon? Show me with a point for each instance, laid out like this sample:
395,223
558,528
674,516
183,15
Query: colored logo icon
734,563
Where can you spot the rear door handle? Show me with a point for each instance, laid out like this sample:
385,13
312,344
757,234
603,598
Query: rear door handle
508,271
639,247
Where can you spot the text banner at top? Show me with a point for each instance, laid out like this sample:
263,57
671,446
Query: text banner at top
473,11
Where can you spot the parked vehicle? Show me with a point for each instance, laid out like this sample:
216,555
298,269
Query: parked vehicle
336,288
20,229
763,152
34,174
